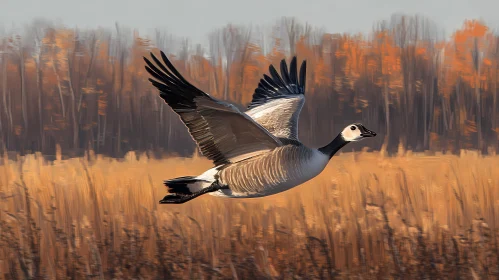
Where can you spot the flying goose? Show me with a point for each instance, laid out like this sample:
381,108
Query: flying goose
256,153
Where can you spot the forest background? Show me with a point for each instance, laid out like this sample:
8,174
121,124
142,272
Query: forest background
87,89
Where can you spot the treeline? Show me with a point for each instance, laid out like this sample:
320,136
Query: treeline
87,89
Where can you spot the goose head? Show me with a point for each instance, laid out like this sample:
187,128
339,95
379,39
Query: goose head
356,132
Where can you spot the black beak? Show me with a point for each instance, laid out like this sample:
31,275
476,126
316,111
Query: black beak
364,132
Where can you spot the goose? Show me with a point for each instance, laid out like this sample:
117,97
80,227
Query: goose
256,153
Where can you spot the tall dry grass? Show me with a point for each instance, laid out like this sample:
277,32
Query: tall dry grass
365,216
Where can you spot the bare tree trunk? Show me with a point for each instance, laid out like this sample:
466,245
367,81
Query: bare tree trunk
122,53
157,125
4,80
97,146
61,97
294,30
478,112
73,107
245,57
229,34
169,141
161,121
118,98
428,92
81,114
226,82
425,117
494,86
431,110
10,109
494,105
104,129
133,114
2,135
24,101
387,113
215,58
477,65
445,113
290,27
39,78
215,82
93,49
386,102
4,92
113,90
433,81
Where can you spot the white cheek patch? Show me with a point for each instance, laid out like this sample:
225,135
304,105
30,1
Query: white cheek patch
352,136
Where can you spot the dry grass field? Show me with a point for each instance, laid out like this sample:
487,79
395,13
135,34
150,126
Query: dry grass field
365,217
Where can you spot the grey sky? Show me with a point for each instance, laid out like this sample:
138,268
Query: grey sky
195,18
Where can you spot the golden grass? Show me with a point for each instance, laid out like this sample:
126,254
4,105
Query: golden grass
365,216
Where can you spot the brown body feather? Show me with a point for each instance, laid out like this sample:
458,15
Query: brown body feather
272,172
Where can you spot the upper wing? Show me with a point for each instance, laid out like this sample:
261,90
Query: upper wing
221,131
277,101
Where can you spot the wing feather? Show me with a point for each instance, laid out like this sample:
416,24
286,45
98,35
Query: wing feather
277,101
222,133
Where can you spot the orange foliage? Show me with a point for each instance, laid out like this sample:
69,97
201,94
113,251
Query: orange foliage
370,68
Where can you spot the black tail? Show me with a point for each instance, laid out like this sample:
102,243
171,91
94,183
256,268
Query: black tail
178,198
180,185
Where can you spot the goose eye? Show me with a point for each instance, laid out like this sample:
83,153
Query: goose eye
353,127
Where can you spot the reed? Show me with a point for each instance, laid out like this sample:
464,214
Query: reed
365,216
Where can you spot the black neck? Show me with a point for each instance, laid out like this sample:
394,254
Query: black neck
335,145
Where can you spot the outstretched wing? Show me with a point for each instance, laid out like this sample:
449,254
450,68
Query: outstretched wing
278,100
221,131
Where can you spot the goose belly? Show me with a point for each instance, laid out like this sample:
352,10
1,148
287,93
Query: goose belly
276,172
